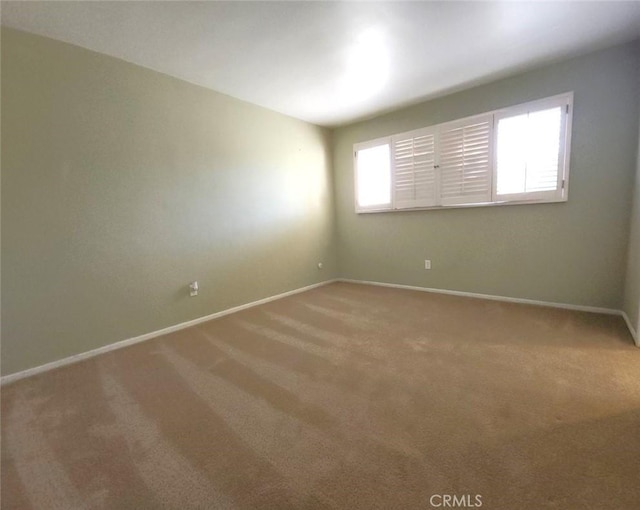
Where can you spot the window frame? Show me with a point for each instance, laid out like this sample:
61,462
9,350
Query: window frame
559,195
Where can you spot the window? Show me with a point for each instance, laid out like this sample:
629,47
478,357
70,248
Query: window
514,155
373,176
530,150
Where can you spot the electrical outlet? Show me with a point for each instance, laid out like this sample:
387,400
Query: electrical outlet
193,289
427,264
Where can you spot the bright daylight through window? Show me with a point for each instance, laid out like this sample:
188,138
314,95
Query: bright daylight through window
518,154
374,176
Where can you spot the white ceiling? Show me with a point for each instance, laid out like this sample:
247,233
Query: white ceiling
331,63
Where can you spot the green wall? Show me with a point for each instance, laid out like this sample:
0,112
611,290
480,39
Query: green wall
632,289
572,252
121,185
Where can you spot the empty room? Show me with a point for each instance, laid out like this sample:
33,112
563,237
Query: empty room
320,255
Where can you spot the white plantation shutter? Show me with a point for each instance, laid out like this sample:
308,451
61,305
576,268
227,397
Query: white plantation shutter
465,160
414,174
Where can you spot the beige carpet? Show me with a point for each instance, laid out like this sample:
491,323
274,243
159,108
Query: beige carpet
347,396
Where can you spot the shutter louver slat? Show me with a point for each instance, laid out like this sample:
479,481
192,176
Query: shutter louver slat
465,161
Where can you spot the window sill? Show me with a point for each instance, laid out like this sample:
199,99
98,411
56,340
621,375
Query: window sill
464,206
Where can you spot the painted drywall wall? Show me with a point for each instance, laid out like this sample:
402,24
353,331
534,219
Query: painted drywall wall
632,287
572,252
121,185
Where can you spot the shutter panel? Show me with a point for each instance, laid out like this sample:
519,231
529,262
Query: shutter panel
414,175
465,160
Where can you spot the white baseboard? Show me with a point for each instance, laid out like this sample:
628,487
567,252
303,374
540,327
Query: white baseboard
566,306
632,330
6,379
